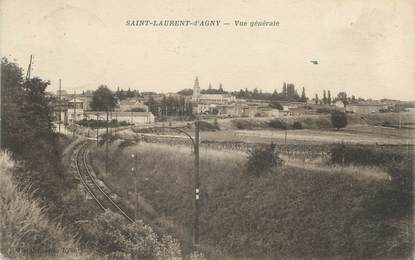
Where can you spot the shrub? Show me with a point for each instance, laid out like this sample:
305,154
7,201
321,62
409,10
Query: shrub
116,237
125,143
238,125
206,126
258,114
402,173
261,160
386,124
277,124
93,123
338,119
346,154
248,123
324,110
276,105
297,125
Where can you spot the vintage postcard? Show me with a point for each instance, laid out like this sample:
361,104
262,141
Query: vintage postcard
207,129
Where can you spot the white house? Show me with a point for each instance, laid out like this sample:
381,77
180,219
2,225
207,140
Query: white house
136,118
132,105
74,112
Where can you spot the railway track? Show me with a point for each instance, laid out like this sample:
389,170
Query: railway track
98,194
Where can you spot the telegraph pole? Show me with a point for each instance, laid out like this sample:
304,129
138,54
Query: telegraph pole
106,148
60,105
116,120
197,184
29,68
110,124
74,115
134,173
97,128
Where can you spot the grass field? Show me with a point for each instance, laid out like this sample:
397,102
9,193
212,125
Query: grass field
307,209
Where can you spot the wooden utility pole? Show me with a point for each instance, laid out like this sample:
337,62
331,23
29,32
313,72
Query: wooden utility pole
116,120
97,128
197,184
106,148
285,139
29,68
134,173
60,105
74,115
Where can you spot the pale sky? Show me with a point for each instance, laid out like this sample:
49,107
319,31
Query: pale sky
366,48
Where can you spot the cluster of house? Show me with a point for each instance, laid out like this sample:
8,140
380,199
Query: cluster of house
228,106
71,108
363,107
134,111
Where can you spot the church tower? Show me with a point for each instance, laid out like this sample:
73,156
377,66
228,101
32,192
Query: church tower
196,90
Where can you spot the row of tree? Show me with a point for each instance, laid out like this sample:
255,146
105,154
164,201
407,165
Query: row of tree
342,96
170,106
122,94
103,99
288,93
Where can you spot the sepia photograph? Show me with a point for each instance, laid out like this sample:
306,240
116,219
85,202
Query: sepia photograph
204,130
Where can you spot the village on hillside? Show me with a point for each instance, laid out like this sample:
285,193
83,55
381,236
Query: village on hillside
133,107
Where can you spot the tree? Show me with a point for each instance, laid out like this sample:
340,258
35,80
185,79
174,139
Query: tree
338,119
329,97
152,106
324,97
27,132
103,99
343,97
284,89
163,106
220,90
185,92
316,99
303,96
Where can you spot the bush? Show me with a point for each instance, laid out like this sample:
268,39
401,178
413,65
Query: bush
402,173
324,110
248,124
115,237
276,105
93,123
297,125
206,126
345,154
386,124
277,124
338,119
261,160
